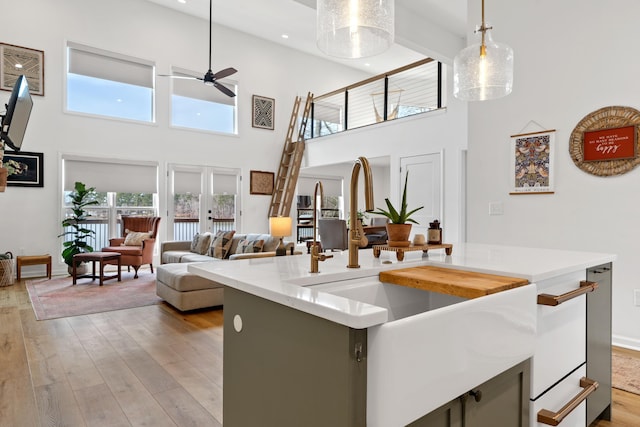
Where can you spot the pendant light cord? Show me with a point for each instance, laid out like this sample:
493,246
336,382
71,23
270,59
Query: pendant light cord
211,30
483,29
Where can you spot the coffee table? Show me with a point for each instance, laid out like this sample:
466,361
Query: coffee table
103,258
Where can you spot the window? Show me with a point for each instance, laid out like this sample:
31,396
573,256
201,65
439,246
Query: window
109,84
123,188
196,106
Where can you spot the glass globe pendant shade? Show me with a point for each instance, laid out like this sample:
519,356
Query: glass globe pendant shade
482,74
355,28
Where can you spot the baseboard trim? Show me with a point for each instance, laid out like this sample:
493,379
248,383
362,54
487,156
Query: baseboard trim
625,342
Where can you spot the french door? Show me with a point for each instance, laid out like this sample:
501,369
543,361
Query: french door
201,199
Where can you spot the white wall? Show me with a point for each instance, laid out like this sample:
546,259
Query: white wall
571,58
443,131
31,216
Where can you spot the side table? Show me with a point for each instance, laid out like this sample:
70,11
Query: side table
103,258
22,260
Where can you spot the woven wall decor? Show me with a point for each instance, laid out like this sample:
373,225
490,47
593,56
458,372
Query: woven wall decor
604,118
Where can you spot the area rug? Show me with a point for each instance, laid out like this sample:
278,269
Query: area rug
58,297
626,373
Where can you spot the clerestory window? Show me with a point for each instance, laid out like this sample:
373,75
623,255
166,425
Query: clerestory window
109,84
195,105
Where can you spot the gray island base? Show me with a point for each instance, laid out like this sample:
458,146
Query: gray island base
300,349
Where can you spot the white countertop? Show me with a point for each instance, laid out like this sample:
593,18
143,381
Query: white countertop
285,279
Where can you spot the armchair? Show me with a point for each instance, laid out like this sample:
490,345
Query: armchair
139,248
333,233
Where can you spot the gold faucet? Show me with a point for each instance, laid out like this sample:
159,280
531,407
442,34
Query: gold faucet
315,255
354,235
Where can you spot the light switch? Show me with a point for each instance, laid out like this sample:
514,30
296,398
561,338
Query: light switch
496,208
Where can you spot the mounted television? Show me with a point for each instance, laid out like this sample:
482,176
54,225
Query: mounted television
14,122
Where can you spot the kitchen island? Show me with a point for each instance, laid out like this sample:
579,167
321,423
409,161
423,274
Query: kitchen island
339,347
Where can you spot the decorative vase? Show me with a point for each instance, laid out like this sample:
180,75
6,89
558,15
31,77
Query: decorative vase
398,234
4,173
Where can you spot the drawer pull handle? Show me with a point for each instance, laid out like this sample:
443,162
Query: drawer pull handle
554,418
553,300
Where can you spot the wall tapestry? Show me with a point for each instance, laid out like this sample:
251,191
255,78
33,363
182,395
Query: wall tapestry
17,60
261,182
532,162
263,112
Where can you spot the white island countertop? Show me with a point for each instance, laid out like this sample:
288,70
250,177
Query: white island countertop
286,280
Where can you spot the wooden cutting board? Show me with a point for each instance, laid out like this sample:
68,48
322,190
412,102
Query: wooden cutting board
465,284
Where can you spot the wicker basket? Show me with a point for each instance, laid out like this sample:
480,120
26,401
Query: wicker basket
6,271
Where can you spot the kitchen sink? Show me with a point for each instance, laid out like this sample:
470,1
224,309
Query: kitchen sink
435,347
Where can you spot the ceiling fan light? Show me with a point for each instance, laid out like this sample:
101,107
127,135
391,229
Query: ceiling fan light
478,77
355,28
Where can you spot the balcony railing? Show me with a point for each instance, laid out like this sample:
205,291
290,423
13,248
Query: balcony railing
183,229
186,228
413,89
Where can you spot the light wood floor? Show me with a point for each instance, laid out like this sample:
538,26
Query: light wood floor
148,366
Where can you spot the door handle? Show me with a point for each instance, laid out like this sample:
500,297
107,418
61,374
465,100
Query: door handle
554,418
553,300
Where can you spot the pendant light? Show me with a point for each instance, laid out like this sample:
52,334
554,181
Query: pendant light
483,71
354,28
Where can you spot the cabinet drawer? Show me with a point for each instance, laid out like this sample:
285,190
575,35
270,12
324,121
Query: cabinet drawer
559,396
561,334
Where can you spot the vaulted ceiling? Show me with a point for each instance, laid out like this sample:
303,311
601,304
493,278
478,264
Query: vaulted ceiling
418,23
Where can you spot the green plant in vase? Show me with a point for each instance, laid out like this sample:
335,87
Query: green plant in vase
400,227
81,197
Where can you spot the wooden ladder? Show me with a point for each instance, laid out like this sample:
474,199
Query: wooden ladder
287,177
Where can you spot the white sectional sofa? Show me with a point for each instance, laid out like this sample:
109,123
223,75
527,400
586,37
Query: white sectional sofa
186,291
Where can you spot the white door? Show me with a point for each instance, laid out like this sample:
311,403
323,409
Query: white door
424,188
201,198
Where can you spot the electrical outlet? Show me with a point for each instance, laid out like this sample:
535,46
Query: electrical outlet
636,297
496,208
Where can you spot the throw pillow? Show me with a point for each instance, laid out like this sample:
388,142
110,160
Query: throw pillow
200,243
194,243
203,244
249,246
135,238
221,244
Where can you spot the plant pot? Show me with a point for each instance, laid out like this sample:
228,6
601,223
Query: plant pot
398,235
81,269
4,173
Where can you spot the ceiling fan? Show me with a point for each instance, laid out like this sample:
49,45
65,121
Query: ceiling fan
211,79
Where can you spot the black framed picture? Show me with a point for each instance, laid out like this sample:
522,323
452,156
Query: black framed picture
25,169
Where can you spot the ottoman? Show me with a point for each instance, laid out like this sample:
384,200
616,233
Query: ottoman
184,290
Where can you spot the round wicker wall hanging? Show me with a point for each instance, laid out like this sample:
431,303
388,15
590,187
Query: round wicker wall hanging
605,118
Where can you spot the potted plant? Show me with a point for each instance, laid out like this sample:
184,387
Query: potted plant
81,197
399,229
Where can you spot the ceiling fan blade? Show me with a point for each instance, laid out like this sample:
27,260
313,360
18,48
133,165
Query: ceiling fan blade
225,73
222,88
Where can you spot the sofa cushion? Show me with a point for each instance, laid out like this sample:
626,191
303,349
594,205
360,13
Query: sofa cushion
221,244
124,250
247,246
177,277
200,243
191,257
135,238
170,257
